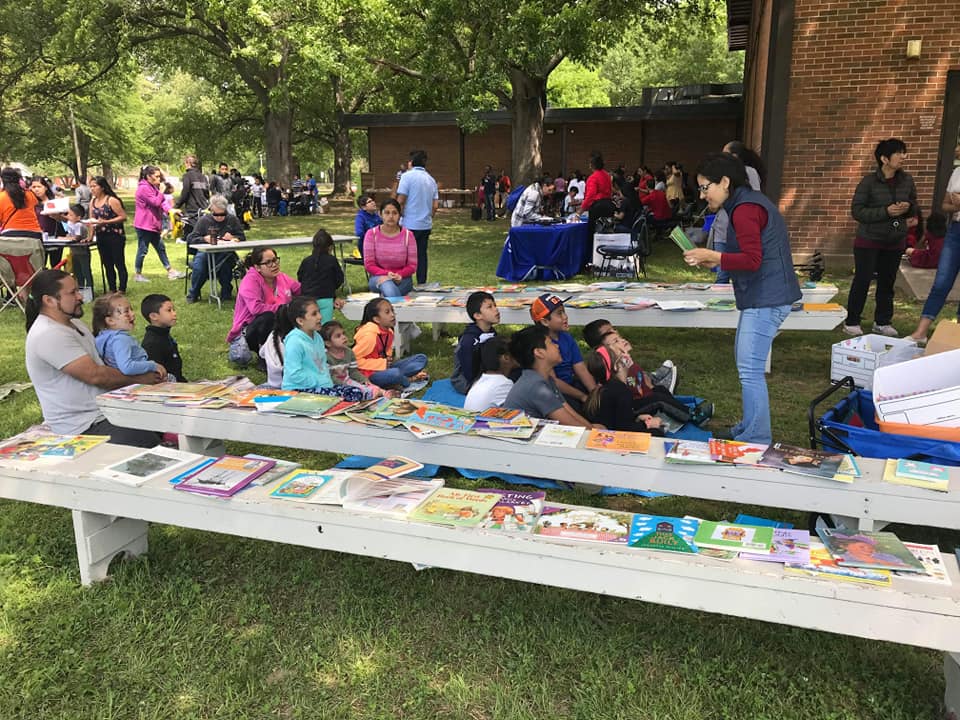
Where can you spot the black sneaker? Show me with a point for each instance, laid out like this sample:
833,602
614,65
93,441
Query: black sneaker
701,413
191,299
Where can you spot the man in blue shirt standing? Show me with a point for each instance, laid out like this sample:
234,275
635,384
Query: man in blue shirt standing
418,197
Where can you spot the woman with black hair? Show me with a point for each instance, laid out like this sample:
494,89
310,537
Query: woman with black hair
21,246
263,289
758,258
107,210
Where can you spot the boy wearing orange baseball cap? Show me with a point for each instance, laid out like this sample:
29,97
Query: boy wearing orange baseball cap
571,374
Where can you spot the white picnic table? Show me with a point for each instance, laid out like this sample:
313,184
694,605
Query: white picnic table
112,520
212,250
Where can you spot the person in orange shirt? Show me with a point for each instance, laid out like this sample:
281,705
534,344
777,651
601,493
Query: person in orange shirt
21,240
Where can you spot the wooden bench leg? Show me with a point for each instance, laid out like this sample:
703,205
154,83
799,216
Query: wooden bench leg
100,538
951,697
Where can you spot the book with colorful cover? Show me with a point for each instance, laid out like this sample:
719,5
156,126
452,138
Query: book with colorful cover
147,465
515,510
660,532
849,470
562,436
823,566
340,408
735,451
730,536
620,441
176,389
422,431
452,506
398,506
502,415
225,476
789,546
691,452
874,550
249,398
45,447
914,474
932,561
306,405
582,523
444,417
804,461
313,486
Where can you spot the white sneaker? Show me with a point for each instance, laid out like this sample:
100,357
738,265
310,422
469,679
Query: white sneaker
175,274
139,278
853,330
887,330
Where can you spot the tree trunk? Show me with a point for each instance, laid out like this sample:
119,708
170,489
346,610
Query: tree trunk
342,160
106,168
527,106
278,128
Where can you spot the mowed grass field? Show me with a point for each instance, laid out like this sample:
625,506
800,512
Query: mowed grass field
210,626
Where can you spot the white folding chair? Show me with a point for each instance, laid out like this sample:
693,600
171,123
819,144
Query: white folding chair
21,258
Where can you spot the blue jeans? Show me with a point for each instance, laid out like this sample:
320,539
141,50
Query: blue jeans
146,238
389,288
947,270
224,263
755,333
722,275
400,372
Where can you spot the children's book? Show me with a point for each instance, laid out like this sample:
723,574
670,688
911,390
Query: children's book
743,519
680,238
147,465
804,461
281,468
822,565
422,431
729,536
515,511
225,476
43,447
563,436
443,417
383,478
581,523
248,398
735,451
932,561
874,550
183,390
693,452
659,532
397,410
312,486
916,474
307,405
822,307
395,505
511,433
789,546
340,408
849,469
452,506
681,305
620,441
502,415
191,469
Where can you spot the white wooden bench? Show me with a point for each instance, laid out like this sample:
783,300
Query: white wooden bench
112,519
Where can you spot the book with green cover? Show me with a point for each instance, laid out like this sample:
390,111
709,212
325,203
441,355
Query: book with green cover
452,506
730,536
680,238
658,532
307,404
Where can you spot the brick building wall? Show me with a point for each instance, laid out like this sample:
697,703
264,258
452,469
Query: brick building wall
390,146
851,85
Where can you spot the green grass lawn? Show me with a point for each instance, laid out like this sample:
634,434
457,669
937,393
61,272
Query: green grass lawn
211,626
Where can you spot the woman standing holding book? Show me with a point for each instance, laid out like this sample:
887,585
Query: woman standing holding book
758,259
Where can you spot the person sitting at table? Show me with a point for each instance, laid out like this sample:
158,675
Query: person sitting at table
530,204
390,253
216,226
20,234
263,289
366,218
656,202
65,368
571,204
535,391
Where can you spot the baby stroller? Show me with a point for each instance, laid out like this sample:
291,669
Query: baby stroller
300,204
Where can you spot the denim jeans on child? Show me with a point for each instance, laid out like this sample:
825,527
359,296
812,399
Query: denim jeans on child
947,270
389,288
755,333
400,372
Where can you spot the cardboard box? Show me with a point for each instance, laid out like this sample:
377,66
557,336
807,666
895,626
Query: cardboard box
945,337
55,206
920,397
861,356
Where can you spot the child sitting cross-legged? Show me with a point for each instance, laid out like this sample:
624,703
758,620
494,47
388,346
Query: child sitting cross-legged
373,346
157,342
113,319
493,386
343,363
611,403
304,356
482,311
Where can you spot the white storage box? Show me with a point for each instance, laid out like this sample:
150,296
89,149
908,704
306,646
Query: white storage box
920,396
55,206
861,356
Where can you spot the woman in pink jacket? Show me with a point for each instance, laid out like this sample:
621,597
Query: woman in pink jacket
390,253
263,289
148,221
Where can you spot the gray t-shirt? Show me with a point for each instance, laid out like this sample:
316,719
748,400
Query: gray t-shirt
536,396
69,405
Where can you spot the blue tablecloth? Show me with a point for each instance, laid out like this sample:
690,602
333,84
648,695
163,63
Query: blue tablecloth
560,251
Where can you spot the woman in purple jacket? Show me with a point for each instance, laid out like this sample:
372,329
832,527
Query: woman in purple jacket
148,221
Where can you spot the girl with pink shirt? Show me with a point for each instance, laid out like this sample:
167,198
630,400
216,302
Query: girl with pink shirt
390,253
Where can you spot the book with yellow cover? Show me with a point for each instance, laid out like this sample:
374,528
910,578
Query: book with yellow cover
821,307
932,481
451,506
620,441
